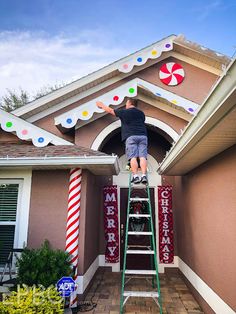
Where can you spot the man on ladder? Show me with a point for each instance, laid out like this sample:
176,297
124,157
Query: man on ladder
134,133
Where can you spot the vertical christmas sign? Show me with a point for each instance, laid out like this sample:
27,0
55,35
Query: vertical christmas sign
111,224
166,232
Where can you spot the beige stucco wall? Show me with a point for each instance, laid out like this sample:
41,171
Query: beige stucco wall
205,204
48,213
48,208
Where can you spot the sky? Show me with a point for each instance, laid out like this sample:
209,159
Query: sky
49,42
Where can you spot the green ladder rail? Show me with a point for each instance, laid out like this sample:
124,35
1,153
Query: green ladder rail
151,250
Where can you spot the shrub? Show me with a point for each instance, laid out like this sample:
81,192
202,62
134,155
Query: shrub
43,266
33,300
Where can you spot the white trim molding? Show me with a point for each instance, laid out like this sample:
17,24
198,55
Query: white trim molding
214,301
117,124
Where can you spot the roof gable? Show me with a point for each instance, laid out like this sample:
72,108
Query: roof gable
176,45
106,72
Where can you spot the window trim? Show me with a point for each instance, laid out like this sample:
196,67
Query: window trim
23,178
18,209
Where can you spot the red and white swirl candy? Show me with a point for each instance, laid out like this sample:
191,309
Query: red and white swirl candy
171,73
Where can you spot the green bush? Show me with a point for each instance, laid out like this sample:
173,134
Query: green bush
43,266
33,300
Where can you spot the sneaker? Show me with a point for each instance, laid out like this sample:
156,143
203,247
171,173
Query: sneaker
144,180
136,180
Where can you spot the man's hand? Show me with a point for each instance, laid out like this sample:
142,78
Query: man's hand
100,104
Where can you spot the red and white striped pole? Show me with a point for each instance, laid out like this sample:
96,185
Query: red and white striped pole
72,227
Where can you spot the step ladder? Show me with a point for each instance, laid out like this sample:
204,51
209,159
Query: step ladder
138,250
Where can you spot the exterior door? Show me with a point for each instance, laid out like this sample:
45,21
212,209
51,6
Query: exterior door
135,261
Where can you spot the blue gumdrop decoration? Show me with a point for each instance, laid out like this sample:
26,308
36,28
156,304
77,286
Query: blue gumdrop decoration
40,139
69,120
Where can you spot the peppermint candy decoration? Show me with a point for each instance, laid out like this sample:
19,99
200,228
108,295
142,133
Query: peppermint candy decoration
171,74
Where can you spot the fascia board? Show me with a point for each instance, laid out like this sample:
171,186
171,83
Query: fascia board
60,161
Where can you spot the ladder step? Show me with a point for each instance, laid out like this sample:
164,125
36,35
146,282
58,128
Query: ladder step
139,186
140,272
129,246
139,199
139,233
142,294
139,215
139,252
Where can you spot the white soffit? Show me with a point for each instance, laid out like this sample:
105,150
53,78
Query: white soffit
116,96
26,131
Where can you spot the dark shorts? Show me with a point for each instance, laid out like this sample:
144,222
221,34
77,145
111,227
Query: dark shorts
136,146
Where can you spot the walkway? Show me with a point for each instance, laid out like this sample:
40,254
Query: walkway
176,297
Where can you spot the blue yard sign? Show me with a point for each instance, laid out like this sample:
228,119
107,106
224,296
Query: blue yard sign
65,286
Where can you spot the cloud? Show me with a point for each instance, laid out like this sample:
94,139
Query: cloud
209,8
30,60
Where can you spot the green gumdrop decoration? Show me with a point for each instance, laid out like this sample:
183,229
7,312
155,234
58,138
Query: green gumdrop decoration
131,90
8,124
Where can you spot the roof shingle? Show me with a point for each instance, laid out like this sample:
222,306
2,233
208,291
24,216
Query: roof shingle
24,150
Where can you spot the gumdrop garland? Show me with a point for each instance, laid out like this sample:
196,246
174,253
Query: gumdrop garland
139,59
116,96
86,111
27,131
171,74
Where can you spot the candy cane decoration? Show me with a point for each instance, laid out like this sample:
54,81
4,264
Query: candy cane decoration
72,227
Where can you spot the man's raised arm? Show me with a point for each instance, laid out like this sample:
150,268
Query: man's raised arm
105,108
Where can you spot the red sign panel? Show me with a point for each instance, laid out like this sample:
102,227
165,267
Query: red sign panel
166,233
111,224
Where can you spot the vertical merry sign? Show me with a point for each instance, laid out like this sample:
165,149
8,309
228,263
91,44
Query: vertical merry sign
111,223
166,233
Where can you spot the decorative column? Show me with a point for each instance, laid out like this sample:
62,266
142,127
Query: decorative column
72,227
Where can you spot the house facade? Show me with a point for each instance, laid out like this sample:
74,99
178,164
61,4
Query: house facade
188,96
